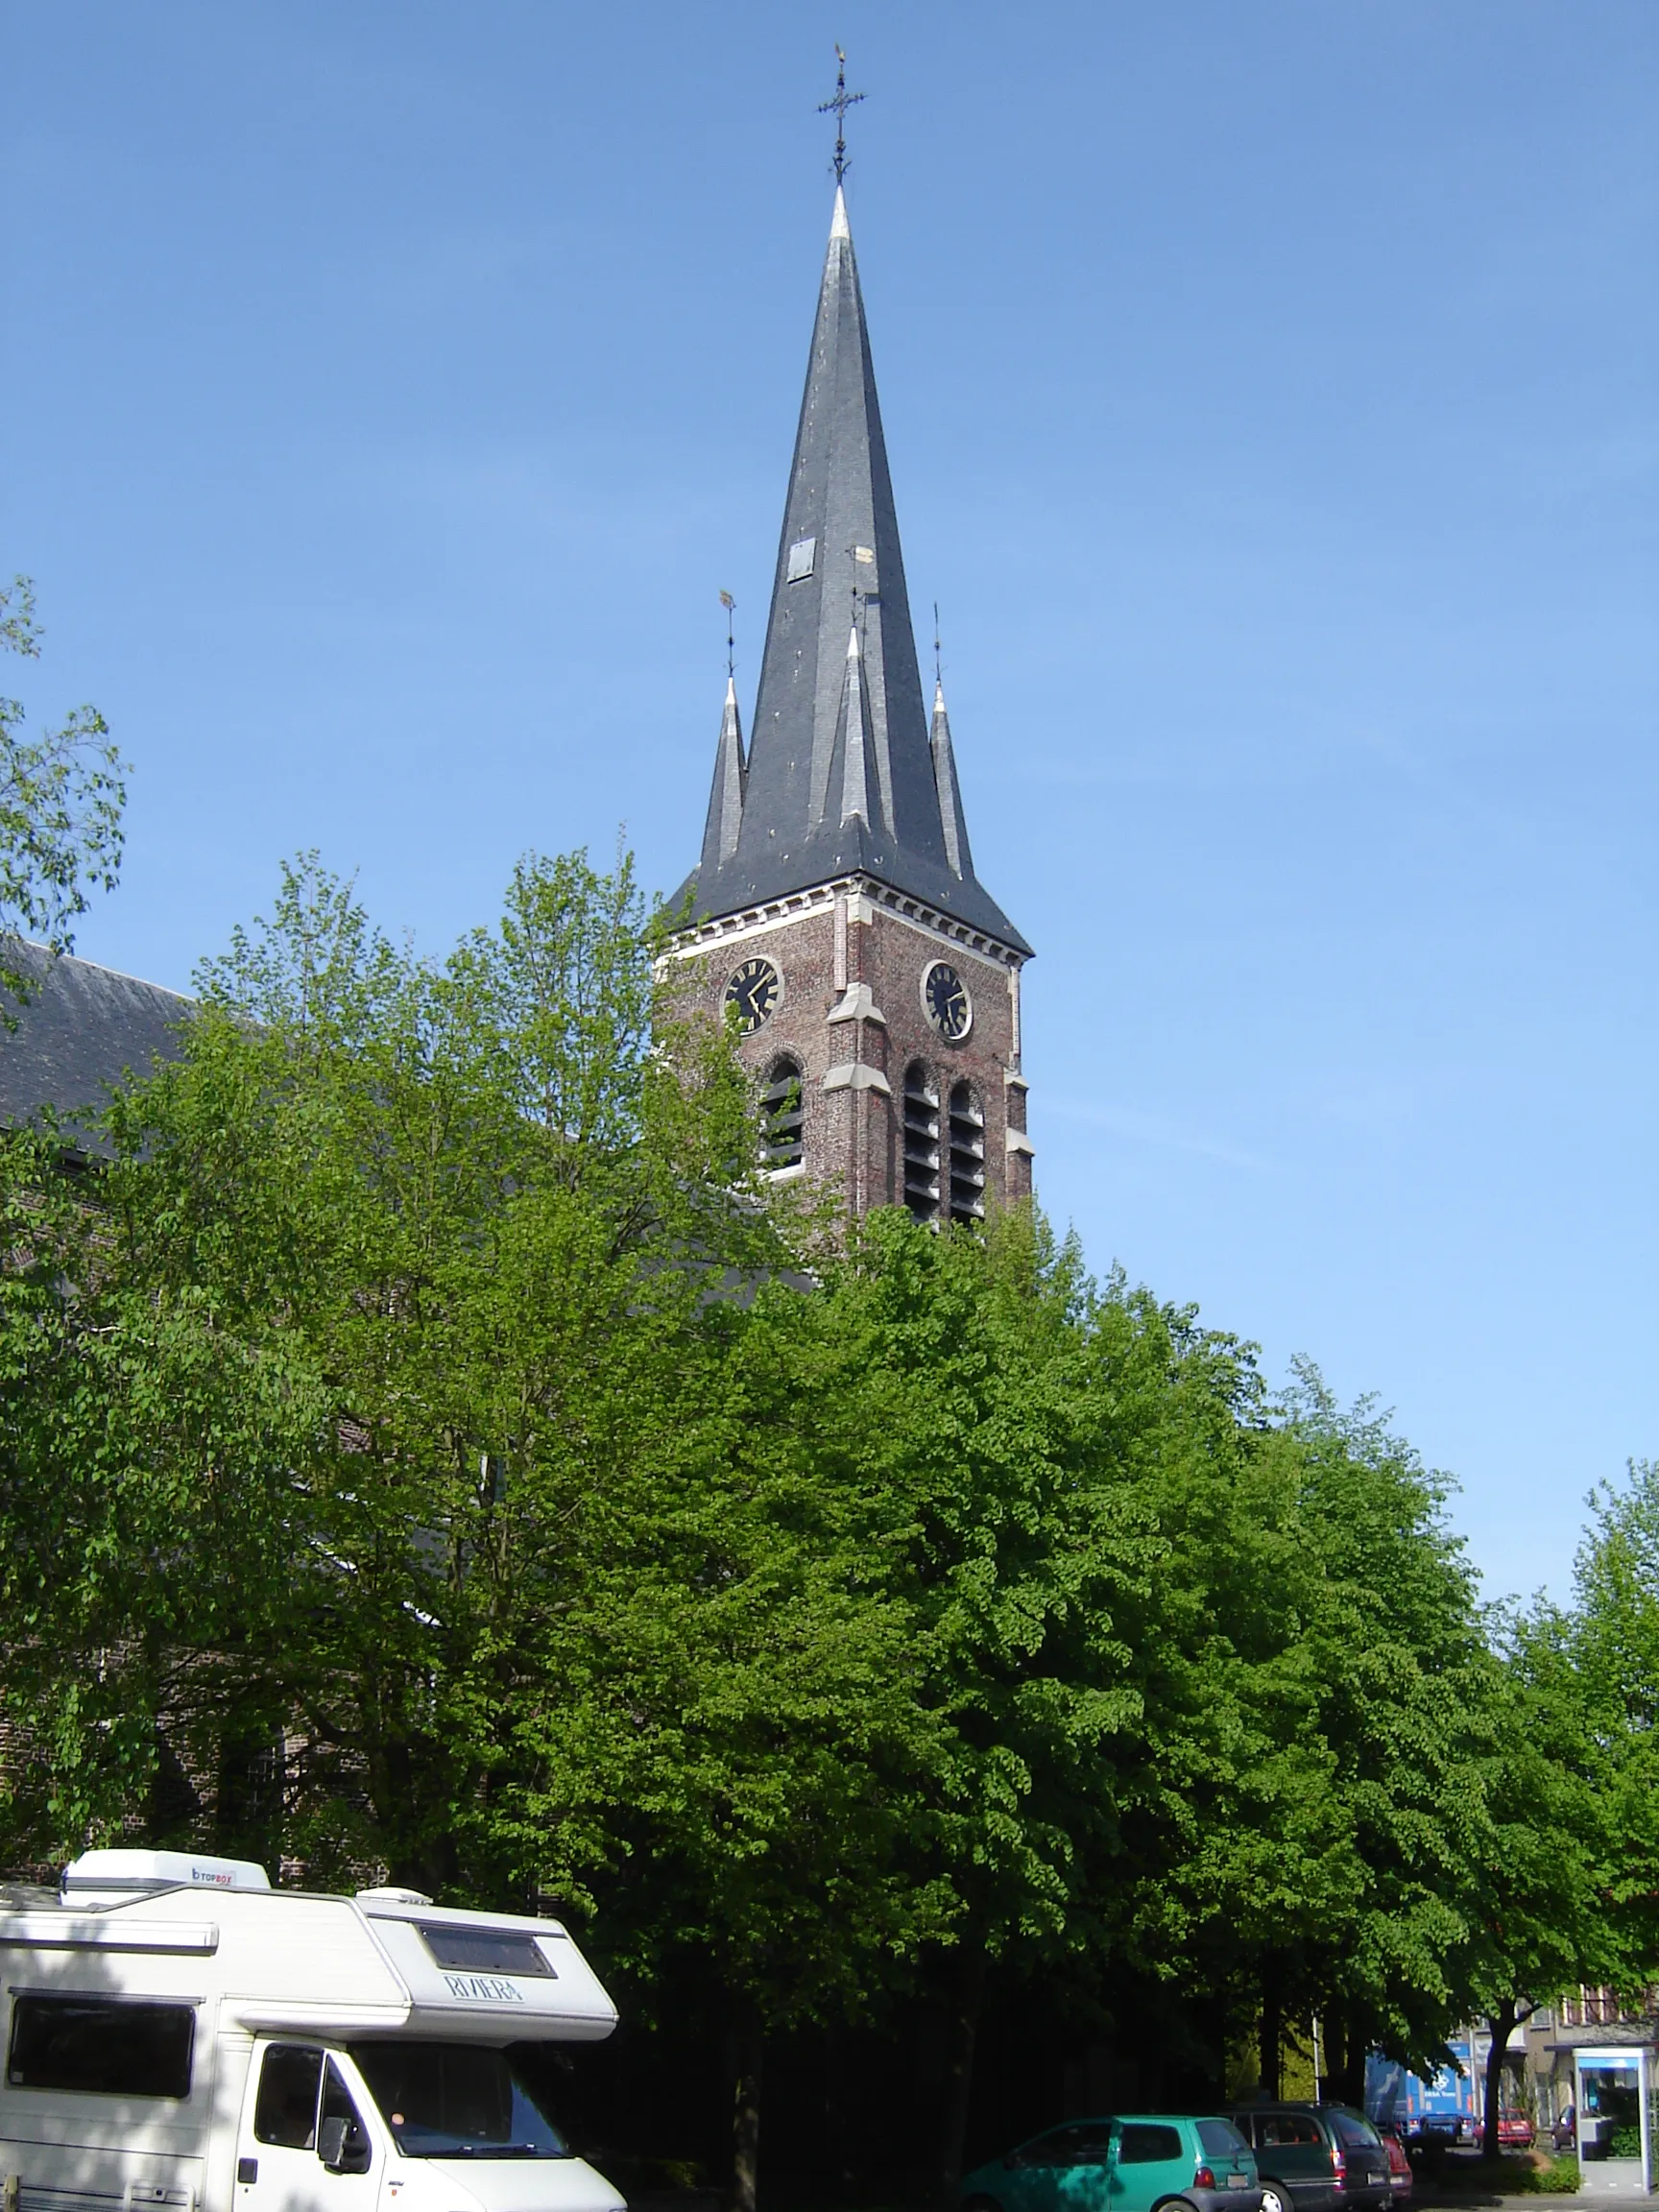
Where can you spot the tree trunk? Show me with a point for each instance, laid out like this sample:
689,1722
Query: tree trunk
967,1998
1345,2060
1270,2038
750,2048
1502,2023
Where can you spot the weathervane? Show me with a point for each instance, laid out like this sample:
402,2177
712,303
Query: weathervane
838,107
938,660
731,606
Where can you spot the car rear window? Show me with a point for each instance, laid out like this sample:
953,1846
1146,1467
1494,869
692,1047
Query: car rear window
1273,2129
1353,2132
1145,2144
1220,2138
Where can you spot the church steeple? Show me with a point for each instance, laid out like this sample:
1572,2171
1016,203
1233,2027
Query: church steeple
839,551
835,928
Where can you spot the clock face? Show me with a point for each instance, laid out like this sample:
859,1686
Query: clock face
949,1007
753,990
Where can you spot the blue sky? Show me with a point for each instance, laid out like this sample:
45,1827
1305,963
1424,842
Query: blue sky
1273,402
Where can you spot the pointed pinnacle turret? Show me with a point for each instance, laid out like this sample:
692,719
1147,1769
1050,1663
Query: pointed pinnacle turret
852,765
950,815
726,799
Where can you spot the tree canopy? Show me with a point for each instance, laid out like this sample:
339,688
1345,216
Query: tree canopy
432,1449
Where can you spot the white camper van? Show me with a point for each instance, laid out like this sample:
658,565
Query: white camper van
182,2037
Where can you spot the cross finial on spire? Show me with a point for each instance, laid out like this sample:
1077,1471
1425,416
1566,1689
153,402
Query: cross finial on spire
838,107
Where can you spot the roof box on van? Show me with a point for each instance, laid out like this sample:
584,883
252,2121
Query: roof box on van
114,1877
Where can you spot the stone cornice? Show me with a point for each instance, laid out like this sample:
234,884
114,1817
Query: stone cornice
729,928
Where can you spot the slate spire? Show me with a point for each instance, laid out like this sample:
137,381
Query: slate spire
839,553
726,799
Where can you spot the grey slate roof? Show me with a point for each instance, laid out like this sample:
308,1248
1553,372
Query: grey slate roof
82,1029
786,819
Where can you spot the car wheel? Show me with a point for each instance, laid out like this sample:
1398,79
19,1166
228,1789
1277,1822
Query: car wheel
1276,2198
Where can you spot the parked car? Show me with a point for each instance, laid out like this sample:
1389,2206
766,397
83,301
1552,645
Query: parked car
1515,2131
1432,2134
1400,2174
1132,2162
1316,2157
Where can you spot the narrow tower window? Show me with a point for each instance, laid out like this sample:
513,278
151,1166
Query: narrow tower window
920,1143
782,1115
967,1155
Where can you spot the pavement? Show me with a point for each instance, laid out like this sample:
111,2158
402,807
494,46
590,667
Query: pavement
1603,2181
1616,2178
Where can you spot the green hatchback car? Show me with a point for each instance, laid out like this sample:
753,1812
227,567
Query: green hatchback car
1132,2162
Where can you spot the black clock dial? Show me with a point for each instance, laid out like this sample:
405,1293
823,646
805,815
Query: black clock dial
754,993
946,998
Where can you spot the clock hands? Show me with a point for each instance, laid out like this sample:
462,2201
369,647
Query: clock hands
752,993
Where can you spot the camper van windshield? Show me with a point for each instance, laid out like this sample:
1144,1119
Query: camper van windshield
455,2101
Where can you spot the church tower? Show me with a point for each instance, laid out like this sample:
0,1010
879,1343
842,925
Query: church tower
874,981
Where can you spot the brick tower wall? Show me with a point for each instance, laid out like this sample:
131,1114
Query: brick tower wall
852,1018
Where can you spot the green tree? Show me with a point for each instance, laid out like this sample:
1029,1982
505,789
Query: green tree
1313,1673
1397,1645
1539,1918
747,1649
1018,1398
1612,1639
61,798
381,1259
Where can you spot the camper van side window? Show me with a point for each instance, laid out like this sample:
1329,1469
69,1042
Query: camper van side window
290,2075
107,2046
484,1951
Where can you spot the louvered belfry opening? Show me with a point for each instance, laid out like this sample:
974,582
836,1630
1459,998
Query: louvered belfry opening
782,1115
920,1143
967,1155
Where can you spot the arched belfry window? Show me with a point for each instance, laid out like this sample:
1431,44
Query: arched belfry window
920,1143
966,1154
782,1115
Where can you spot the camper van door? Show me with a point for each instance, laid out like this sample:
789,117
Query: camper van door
303,2106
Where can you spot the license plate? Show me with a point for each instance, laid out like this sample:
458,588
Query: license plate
1237,2180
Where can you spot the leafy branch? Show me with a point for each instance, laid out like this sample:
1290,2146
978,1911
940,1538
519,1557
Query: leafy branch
62,796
